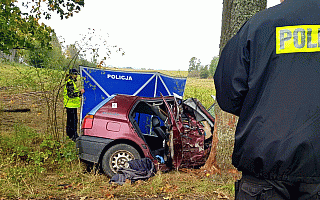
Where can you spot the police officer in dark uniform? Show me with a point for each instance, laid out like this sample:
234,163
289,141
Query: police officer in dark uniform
269,75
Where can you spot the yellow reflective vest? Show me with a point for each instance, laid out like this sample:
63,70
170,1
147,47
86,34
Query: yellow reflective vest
71,102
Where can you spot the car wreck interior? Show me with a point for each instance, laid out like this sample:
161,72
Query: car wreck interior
150,119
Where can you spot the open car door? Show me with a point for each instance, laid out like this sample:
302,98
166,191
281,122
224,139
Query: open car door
175,142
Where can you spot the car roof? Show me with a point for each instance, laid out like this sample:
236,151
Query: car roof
128,97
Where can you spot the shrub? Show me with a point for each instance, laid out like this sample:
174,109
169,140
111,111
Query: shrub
28,148
204,73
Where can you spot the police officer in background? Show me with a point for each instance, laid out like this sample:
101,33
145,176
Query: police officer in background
269,75
72,101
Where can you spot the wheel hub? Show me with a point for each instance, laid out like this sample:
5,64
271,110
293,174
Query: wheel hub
120,159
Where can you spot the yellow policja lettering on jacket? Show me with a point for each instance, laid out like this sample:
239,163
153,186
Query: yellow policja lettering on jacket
302,38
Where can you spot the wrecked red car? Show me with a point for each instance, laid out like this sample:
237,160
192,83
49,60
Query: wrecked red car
172,132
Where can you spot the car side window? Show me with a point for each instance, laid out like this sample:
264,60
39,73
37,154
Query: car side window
211,110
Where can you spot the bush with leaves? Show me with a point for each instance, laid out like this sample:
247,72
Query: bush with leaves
204,72
47,58
213,65
21,30
26,147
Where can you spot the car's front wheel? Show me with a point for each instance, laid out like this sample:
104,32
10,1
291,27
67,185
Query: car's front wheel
117,157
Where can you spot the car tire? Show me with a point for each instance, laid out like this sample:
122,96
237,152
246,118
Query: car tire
117,157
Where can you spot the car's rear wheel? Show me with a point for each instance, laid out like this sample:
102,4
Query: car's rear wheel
118,157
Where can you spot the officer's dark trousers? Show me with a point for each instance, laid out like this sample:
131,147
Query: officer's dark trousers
72,123
250,187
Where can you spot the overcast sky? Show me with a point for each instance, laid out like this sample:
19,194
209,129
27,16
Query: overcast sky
153,34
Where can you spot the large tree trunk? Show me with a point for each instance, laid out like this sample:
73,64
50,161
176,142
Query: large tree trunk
235,14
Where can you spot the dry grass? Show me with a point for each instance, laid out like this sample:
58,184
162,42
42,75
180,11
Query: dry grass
202,89
71,180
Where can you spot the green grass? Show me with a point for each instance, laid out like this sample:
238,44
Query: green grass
34,165
202,89
20,78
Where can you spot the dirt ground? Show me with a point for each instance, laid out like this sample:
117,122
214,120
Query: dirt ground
28,108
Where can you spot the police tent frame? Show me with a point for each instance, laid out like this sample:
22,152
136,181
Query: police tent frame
100,84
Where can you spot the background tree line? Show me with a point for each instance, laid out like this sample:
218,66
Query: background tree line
23,39
202,71
22,30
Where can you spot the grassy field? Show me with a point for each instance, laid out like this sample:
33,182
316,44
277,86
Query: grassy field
166,72
201,89
36,164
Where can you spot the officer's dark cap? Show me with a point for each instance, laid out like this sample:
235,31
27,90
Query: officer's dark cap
74,71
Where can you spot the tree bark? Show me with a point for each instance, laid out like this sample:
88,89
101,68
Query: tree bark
235,14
